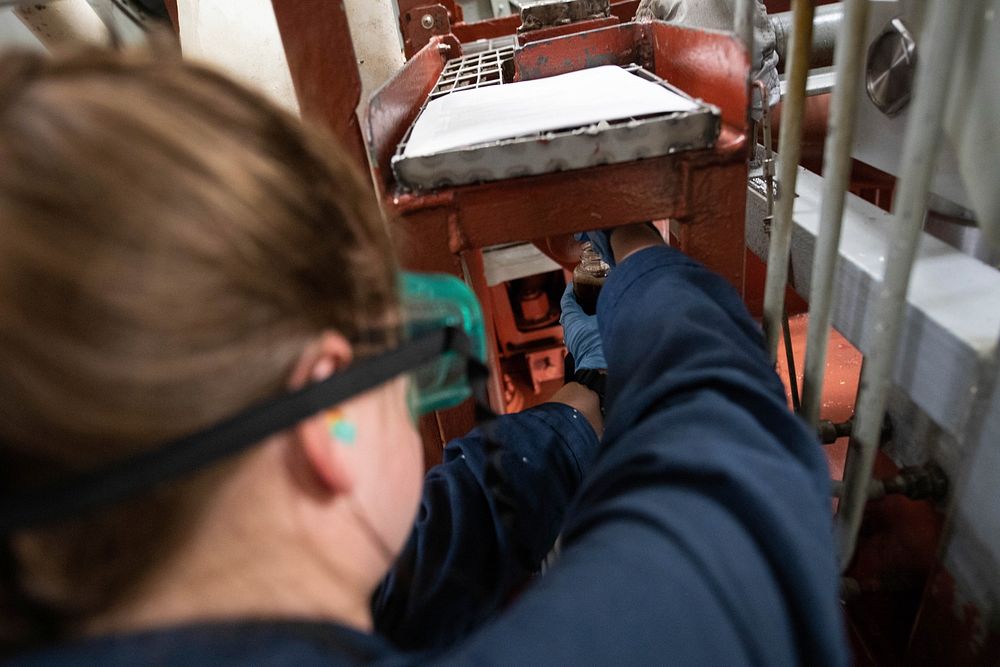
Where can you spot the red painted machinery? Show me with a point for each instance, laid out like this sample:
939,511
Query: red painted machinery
902,601
420,20
703,190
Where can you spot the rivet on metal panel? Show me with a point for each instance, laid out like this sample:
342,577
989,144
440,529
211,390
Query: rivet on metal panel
427,21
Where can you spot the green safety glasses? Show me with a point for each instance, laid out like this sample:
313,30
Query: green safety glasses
433,302
443,351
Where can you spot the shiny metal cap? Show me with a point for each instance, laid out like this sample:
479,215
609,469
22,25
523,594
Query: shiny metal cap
892,63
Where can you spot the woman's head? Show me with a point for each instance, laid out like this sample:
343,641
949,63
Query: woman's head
173,249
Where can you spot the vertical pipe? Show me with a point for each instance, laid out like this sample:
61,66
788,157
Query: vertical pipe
848,61
377,44
59,23
743,26
244,40
792,113
924,133
826,27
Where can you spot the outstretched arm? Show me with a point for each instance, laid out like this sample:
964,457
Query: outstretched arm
490,514
702,534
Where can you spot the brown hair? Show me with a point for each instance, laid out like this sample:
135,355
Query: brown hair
169,243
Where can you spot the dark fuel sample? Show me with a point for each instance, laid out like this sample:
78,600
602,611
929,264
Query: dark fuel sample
588,278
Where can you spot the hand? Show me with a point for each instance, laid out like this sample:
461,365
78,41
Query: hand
627,240
583,340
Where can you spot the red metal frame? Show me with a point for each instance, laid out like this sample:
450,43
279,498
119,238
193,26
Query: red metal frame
446,230
171,6
507,331
317,42
448,19
704,190
513,343
324,69
568,29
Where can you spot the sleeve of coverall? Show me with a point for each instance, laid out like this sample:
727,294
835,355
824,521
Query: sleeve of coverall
703,534
468,551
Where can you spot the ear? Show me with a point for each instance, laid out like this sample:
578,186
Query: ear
321,359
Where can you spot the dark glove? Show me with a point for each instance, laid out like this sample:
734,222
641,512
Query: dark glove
583,340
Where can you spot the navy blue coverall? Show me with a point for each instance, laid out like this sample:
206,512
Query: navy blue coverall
698,532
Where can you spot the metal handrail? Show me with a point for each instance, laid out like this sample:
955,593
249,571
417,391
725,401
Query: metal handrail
793,111
924,134
848,62
743,25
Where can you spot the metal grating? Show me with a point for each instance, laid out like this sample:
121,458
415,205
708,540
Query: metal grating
478,70
493,44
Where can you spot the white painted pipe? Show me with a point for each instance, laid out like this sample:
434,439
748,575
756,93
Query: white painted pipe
377,43
743,26
792,113
63,22
848,60
924,133
242,38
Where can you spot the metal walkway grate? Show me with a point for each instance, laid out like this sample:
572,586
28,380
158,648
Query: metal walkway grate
473,71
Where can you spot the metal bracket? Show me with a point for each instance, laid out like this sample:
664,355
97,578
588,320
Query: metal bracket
422,23
768,161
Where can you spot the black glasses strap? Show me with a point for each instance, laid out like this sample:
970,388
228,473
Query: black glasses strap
123,479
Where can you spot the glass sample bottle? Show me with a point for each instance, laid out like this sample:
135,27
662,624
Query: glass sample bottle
589,277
